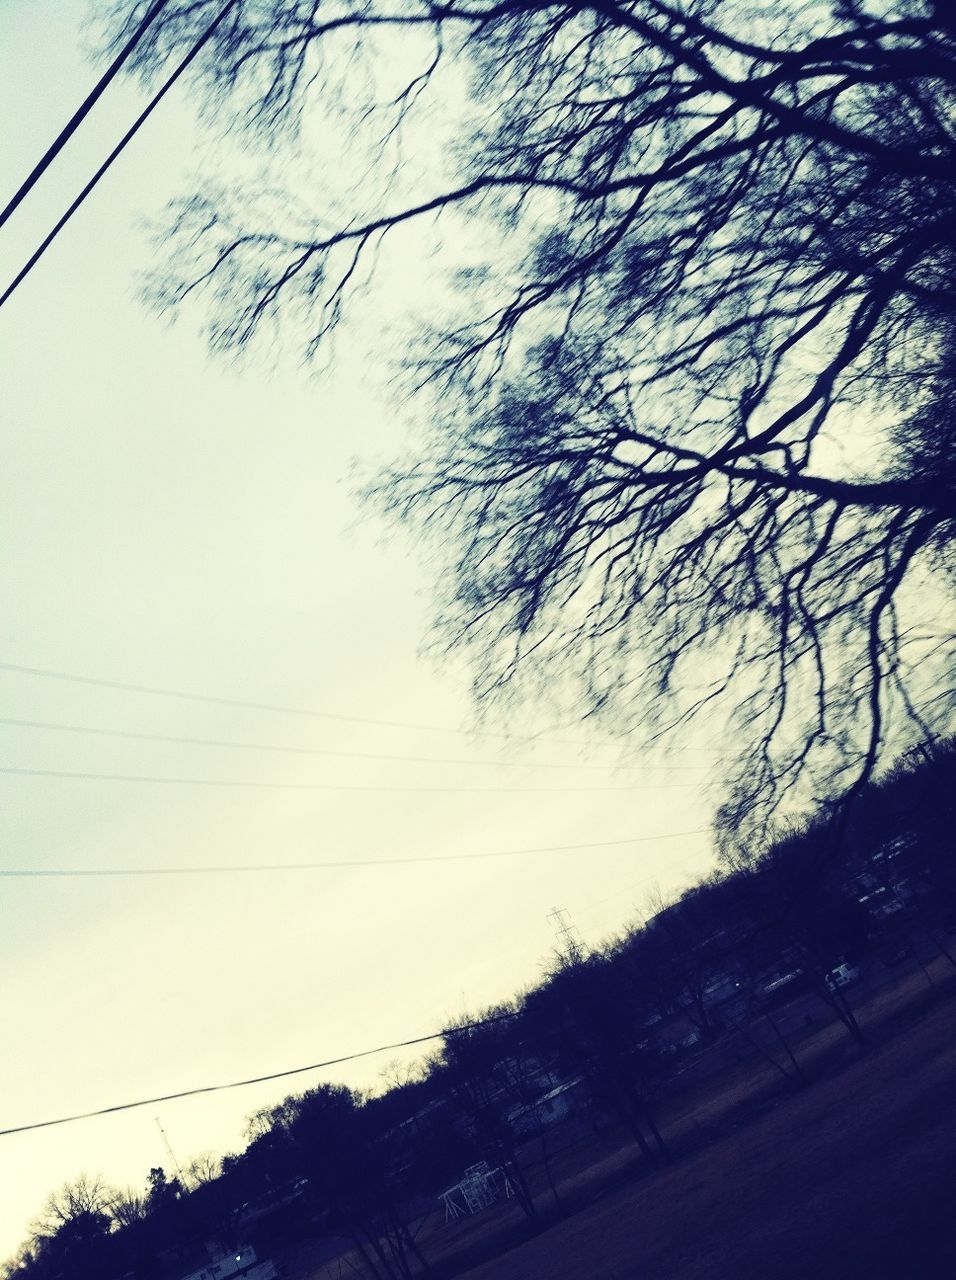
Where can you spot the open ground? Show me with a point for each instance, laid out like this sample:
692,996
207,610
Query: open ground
851,1178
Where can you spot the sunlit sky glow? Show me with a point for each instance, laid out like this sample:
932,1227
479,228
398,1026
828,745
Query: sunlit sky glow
174,521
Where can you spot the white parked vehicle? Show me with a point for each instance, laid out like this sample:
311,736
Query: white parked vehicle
844,975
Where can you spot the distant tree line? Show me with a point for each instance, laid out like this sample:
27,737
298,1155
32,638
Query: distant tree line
619,1026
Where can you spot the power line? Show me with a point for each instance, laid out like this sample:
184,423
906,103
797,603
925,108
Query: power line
117,150
293,1071
84,109
275,1075
333,864
326,786
317,751
155,691
634,884
214,700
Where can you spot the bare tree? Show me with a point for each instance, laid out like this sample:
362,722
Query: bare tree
129,1208
690,428
356,1174
202,1169
86,1196
593,1012
478,1069
73,1234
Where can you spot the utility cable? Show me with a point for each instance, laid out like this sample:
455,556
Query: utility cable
637,884
275,1075
157,691
320,751
84,109
333,864
325,786
117,150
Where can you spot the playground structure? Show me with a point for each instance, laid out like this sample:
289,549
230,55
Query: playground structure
480,1188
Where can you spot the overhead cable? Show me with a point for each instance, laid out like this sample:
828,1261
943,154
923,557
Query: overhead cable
278,709
274,1075
332,864
325,786
84,109
127,137
179,740
634,884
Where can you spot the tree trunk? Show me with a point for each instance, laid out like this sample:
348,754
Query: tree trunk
840,1005
412,1246
798,1070
945,951
546,1161
366,1257
656,1133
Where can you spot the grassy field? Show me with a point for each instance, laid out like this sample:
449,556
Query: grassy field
853,1178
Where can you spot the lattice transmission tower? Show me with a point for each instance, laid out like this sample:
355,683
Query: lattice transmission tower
571,946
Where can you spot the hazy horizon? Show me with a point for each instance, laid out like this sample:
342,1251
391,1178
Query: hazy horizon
176,522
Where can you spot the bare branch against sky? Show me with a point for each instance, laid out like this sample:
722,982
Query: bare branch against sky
683,434
641,318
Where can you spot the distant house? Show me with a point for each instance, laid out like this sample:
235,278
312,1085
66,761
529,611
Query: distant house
671,1034
881,903
242,1264
551,1108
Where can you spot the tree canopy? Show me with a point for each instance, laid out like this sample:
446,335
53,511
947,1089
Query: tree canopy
686,414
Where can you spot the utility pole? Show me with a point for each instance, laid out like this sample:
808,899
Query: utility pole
570,946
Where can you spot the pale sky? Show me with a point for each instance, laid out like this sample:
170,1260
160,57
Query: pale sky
174,521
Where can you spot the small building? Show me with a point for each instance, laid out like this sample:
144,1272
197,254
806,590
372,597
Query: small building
551,1108
882,903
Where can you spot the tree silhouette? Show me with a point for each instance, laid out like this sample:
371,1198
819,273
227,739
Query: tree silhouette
690,433
591,1012
72,1237
481,1068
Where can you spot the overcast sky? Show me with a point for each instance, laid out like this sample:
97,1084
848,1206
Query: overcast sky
168,520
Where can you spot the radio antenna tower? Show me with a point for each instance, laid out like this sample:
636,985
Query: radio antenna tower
570,946
172,1154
